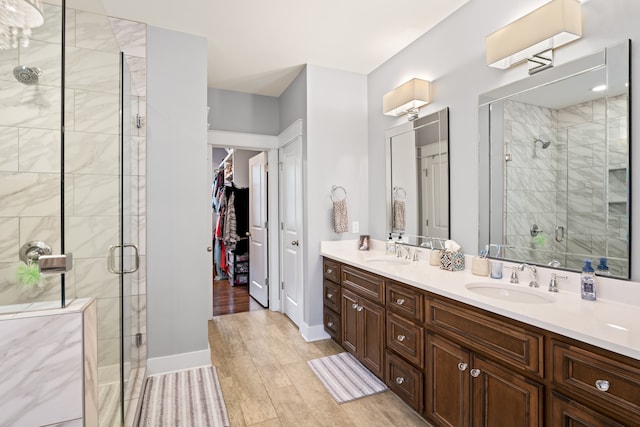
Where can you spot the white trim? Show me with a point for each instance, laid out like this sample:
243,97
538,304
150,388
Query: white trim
313,333
240,140
178,362
293,131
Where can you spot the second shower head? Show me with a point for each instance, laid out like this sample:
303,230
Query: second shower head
545,144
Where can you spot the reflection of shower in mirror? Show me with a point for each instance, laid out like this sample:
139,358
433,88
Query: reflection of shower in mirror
544,144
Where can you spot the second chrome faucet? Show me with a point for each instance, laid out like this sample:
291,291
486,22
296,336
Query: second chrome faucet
533,274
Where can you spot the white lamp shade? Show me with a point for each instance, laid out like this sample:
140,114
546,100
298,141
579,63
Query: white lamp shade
552,25
409,96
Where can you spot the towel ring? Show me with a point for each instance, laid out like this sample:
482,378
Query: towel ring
334,191
396,192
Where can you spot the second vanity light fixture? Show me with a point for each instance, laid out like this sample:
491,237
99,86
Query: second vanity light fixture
407,98
534,36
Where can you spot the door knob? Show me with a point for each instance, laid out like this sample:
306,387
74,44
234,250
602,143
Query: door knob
294,243
248,234
209,249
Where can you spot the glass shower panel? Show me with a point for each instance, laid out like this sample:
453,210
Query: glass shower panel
30,167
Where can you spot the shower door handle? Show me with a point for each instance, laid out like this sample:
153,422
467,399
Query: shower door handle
111,261
559,233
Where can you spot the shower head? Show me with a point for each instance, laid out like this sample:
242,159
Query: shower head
27,75
545,144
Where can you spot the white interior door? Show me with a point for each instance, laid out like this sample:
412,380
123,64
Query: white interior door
258,255
436,200
291,228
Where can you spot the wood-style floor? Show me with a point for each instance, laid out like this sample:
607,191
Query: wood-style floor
229,299
261,361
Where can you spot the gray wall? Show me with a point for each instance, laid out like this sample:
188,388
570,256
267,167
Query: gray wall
243,112
179,267
452,56
293,102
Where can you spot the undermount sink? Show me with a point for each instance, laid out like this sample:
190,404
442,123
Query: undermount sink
512,293
387,260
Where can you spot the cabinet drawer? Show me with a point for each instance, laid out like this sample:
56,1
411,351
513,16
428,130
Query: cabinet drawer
406,339
332,324
405,380
505,342
566,412
364,284
405,301
331,270
331,296
602,380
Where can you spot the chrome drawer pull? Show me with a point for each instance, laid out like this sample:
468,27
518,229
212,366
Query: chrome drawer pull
462,366
329,270
401,338
330,324
399,301
354,306
602,385
475,373
399,380
329,296
360,308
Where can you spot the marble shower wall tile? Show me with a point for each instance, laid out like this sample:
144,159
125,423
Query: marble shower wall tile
96,112
47,57
39,150
29,194
10,242
131,36
29,106
91,236
52,28
8,60
93,31
91,153
90,332
9,145
93,70
108,318
96,280
95,195
42,365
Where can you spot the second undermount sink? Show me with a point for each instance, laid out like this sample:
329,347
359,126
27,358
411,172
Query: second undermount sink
387,260
512,293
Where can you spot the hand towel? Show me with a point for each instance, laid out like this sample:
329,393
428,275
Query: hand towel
398,215
340,216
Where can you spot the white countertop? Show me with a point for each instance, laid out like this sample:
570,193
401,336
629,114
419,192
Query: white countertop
607,323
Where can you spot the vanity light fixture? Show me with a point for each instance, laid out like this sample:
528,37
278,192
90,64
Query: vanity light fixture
407,98
534,36
17,18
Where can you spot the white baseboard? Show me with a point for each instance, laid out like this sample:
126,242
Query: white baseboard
178,362
313,333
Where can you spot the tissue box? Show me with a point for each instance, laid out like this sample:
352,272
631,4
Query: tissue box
452,261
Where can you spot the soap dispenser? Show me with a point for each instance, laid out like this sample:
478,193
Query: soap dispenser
588,281
602,268
391,246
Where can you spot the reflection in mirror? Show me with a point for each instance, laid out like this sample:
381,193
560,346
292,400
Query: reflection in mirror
555,166
418,179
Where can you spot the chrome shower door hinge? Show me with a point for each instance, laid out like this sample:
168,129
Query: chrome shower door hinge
138,339
138,121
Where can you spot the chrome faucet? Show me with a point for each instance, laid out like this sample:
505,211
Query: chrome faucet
514,275
553,284
403,248
533,272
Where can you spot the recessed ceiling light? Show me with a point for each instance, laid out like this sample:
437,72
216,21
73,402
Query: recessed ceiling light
599,88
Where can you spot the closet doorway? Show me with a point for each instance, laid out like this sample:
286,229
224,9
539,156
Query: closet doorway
233,203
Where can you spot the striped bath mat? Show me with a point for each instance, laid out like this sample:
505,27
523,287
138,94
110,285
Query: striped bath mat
184,398
345,378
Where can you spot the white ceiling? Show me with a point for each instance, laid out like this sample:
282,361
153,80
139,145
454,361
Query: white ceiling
259,46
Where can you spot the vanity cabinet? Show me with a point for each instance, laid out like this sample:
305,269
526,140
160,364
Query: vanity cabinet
459,365
363,331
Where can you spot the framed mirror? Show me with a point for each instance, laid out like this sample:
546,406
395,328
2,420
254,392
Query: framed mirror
555,166
418,179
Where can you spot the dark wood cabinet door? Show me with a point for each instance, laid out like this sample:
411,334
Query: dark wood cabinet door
373,332
350,321
502,398
447,383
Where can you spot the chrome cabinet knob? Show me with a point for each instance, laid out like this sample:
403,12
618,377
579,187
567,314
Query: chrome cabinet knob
462,366
401,338
400,301
330,296
399,380
360,308
475,373
329,324
602,385
329,270
354,306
